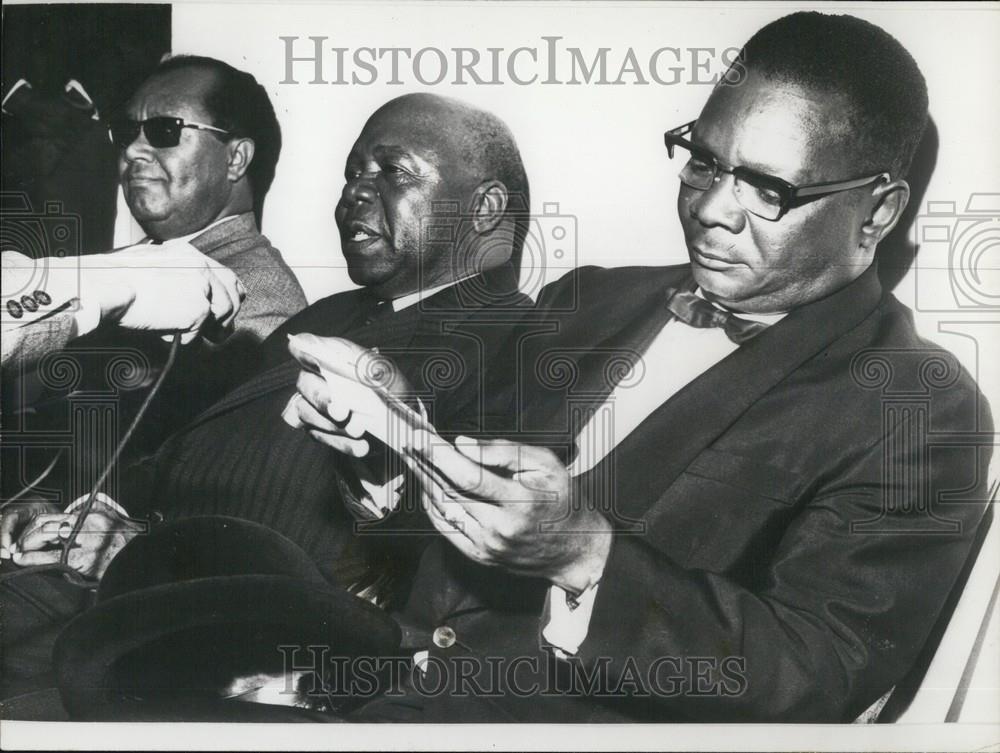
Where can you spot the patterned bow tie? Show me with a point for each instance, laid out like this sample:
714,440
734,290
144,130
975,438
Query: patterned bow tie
698,312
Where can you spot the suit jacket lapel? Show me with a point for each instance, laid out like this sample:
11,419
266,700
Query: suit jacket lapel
454,304
277,377
342,315
650,459
602,343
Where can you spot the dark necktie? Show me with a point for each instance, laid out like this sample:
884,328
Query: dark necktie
698,312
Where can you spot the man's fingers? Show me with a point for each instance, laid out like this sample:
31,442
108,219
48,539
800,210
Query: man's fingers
505,455
466,475
30,559
314,389
357,448
448,516
425,471
300,413
224,300
290,413
312,418
45,532
338,411
441,493
319,393
8,523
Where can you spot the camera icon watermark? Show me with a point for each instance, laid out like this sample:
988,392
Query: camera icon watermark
957,267
38,236
550,248
543,245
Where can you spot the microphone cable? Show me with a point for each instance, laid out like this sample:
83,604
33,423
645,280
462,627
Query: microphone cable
67,544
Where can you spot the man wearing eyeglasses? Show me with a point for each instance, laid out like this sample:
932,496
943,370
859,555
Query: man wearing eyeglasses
729,518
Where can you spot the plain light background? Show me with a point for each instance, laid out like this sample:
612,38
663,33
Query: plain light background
596,152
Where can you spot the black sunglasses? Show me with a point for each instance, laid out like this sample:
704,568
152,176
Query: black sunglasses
162,132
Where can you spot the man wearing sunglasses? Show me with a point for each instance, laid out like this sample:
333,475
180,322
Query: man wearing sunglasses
734,517
432,219
198,145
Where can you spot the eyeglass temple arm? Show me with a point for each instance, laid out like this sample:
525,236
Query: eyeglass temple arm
677,135
840,185
203,127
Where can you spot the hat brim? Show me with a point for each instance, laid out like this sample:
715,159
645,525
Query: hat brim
304,613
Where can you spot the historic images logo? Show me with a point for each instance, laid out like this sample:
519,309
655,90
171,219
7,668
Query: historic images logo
547,62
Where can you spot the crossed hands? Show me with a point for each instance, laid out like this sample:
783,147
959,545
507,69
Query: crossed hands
32,533
500,503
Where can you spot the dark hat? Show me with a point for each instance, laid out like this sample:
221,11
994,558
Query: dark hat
183,611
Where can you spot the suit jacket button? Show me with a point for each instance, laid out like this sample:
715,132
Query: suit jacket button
42,297
15,309
444,637
29,303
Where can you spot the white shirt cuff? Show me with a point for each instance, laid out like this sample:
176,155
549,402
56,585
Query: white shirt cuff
382,499
567,625
102,498
59,279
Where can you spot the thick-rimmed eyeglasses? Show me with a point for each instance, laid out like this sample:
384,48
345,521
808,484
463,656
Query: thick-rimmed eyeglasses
161,132
766,196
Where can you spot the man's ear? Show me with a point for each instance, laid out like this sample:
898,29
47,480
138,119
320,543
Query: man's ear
890,199
489,203
240,157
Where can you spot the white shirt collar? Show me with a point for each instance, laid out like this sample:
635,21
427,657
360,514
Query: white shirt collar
405,301
196,233
762,318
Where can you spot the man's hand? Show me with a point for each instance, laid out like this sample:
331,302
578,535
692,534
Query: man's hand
327,418
15,519
338,409
167,288
39,536
508,504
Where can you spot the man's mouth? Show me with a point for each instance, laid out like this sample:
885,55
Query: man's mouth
711,259
359,232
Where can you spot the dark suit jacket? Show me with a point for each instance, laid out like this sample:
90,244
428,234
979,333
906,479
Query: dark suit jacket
240,458
789,524
93,388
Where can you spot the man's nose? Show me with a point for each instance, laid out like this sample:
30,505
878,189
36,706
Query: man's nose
358,189
717,205
139,148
